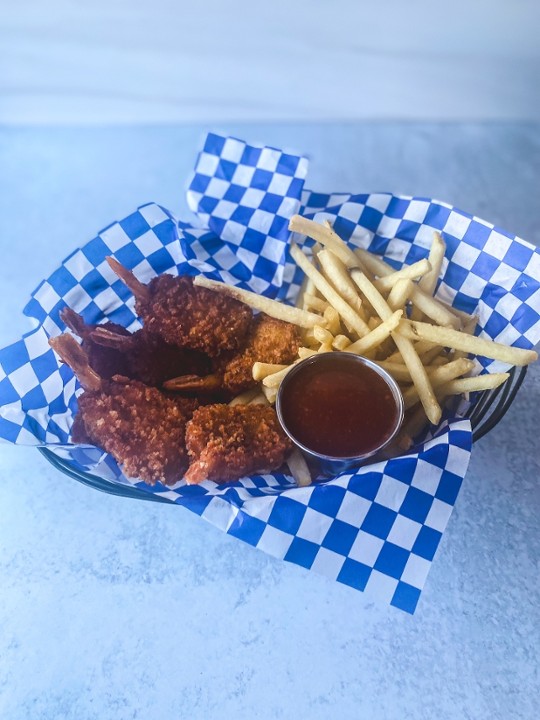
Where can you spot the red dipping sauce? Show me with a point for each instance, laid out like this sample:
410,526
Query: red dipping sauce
339,405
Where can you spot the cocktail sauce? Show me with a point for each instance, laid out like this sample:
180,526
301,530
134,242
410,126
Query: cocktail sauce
338,407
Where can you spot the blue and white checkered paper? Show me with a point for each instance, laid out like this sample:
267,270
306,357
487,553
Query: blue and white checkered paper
376,529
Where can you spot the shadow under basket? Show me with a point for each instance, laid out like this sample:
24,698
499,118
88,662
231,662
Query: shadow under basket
484,415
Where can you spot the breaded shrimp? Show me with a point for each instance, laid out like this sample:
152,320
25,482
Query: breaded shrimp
269,340
225,443
185,315
106,361
143,429
148,358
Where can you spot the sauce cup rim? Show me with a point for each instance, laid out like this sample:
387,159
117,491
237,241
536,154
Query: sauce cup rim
394,387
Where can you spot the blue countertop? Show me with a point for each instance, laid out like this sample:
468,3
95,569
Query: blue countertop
116,608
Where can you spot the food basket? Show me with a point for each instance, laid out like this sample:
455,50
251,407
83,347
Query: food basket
376,529
488,410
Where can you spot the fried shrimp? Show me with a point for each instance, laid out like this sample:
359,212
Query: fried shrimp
268,340
226,443
112,350
148,358
185,315
106,361
143,429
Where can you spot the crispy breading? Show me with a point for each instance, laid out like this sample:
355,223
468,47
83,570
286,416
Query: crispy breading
193,317
225,443
269,340
143,429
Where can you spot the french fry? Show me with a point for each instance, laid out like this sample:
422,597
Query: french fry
437,361
312,302
322,335
300,298
338,276
261,370
374,322
469,327
400,293
473,384
304,352
469,343
375,264
440,376
299,468
428,305
410,357
429,281
275,309
274,380
331,316
326,347
430,355
309,290
377,335
398,371
259,399
434,309
341,342
245,397
421,348
326,236
435,257
410,272
333,297
270,394
308,338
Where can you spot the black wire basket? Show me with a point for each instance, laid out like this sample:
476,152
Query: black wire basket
488,410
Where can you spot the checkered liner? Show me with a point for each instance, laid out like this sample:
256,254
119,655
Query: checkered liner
376,529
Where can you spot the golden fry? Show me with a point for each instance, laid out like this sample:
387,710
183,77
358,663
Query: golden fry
410,357
326,236
434,309
376,336
410,272
299,468
473,384
469,343
341,342
331,316
244,398
274,308
439,376
436,256
338,276
400,293
333,297
305,352
312,302
261,370
322,335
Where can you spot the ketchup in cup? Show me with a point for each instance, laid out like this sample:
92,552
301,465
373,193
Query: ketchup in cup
339,409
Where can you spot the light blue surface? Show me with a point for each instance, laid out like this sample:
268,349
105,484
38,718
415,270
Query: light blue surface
144,61
121,609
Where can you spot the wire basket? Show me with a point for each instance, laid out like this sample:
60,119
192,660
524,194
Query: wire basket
485,414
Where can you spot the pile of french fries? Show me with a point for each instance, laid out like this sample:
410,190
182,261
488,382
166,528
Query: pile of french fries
353,301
